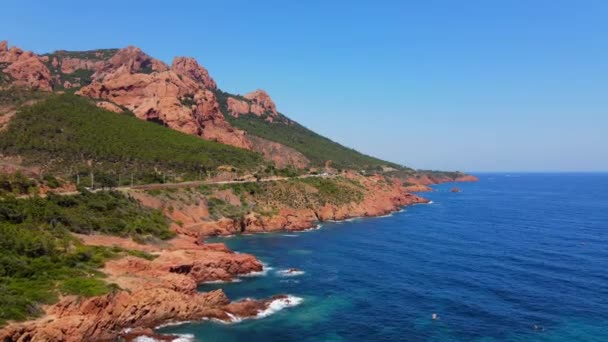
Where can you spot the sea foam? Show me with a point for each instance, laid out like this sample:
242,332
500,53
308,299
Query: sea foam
172,324
317,227
279,304
263,272
387,215
274,307
235,280
290,273
180,338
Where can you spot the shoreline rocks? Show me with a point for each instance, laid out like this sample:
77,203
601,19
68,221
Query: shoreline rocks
149,293
164,290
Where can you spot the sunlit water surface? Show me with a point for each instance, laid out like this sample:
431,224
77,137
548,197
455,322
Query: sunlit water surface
519,257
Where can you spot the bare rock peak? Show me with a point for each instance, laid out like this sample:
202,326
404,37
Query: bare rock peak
189,67
261,102
25,68
135,60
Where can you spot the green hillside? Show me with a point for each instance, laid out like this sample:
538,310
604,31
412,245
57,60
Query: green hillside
318,149
41,260
69,135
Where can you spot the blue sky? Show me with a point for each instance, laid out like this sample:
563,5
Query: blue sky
468,85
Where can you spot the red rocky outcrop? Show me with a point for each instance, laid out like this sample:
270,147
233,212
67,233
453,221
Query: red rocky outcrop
237,107
178,98
379,198
153,293
68,65
25,68
132,60
281,155
261,103
257,102
189,67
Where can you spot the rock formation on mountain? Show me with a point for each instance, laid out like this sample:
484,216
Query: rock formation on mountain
257,102
24,67
180,97
261,103
189,67
132,60
281,155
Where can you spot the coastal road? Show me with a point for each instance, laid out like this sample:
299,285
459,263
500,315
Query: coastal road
186,184
199,183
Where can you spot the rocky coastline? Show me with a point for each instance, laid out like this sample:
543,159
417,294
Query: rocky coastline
159,286
164,290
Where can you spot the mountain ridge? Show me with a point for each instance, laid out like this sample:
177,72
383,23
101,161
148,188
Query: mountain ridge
182,96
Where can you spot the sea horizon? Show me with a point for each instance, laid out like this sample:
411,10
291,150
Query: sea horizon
468,298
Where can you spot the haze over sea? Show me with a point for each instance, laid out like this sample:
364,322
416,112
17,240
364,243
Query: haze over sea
514,257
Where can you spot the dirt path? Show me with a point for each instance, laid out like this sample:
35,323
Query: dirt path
184,185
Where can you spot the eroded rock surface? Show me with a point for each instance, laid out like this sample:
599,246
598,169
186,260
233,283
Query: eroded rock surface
151,293
25,68
180,97
257,102
281,155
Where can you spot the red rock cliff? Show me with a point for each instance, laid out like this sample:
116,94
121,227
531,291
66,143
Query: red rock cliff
189,67
25,67
180,98
152,293
379,198
257,102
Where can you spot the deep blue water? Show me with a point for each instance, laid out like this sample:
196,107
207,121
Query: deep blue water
507,253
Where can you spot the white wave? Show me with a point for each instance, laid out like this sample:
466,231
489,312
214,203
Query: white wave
290,235
290,273
429,202
274,307
317,227
172,324
387,215
342,221
278,305
263,272
180,338
235,280
234,318
184,338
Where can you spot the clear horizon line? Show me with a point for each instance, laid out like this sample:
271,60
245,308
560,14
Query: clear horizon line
540,171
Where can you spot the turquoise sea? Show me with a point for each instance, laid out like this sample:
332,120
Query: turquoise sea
514,257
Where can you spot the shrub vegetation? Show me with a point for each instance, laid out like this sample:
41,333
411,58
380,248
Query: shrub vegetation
40,259
69,135
318,149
